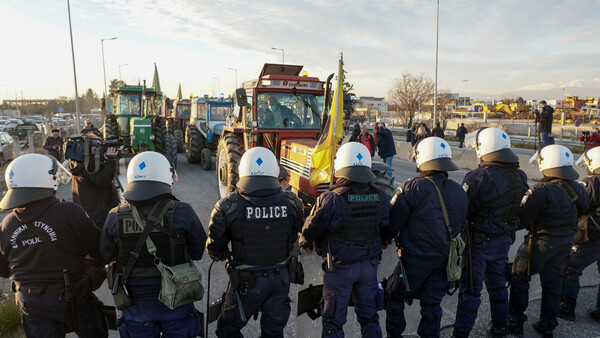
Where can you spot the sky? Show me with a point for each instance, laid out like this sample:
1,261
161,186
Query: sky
487,49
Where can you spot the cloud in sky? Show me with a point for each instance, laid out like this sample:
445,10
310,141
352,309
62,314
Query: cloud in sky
499,46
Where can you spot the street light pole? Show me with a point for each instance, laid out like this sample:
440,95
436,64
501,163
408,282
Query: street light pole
119,72
236,83
282,54
74,71
103,66
465,95
437,34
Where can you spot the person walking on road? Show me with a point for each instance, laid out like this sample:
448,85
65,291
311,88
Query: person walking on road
355,131
349,223
367,139
544,120
386,146
461,132
549,210
495,190
438,131
54,144
427,214
262,222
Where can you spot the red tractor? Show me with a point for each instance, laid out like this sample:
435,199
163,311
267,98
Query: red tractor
177,115
281,111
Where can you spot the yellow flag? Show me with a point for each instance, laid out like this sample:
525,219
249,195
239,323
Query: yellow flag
322,157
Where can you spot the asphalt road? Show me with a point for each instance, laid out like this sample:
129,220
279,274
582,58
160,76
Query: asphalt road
199,188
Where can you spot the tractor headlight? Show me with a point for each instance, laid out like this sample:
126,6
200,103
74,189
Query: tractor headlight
133,137
152,137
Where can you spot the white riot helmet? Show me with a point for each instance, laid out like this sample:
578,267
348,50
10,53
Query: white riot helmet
149,174
591,157
433,153
491,144
353,161
258,170
32,177
556,160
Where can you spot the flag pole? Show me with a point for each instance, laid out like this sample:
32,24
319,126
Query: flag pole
333,126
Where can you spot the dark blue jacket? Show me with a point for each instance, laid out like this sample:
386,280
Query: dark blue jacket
550,210
386,144
423,232
591,184
326,216
489,198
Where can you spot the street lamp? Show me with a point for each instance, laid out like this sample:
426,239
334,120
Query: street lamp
119,72
465,95
236,83
282,54
437,34
103,67
74,72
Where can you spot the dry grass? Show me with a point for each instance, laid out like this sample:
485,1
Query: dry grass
10,320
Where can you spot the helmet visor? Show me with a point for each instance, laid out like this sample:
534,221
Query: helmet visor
534,158
471,139
63,176
582,160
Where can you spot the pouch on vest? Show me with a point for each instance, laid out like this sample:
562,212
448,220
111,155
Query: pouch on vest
581,236
180,284
119,293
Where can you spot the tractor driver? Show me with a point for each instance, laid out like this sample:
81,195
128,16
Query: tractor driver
283,117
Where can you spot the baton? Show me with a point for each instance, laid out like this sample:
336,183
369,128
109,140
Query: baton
403,271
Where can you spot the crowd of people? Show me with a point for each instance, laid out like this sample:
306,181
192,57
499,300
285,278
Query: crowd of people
446,235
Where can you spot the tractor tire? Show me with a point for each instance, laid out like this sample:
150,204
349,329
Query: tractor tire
180,141
170,127
229,153
384,181
194,145
171,153
111,127
160,135
206,159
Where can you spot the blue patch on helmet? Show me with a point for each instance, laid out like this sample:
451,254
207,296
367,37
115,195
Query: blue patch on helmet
504,136
142,165
443,145
567,155
259,161
359,156
11,174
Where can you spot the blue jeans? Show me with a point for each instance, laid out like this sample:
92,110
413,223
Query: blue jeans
150,318
388,161
545,140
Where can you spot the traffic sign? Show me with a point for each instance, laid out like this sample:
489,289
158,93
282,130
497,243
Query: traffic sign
61,110
577,123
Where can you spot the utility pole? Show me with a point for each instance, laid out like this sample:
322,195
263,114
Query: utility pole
74,71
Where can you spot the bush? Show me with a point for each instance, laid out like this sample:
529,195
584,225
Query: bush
10,318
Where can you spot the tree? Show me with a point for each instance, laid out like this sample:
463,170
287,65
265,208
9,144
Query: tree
89,100
444,98
409,92
348,94
115,84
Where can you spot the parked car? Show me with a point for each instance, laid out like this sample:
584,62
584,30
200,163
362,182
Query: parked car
24,129
4,125
6,148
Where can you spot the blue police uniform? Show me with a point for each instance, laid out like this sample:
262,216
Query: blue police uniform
424,240
350,222
495,190
181,236
584,254
262,226
550,211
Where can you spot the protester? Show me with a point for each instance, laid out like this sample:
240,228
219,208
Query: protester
54,145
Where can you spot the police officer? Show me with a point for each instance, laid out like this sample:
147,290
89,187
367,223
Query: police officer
349,222
495,190
93,186
549,210
43,243
586,253
424,224
262,222
179,238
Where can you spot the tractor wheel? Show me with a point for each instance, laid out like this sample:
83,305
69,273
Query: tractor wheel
171,153
194,145
170,127
229,153
160,135
384,181
206,159
180,141
111,127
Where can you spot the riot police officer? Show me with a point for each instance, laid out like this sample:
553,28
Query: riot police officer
349,222
495,190
43,244
549,210
179,237
262,222
427,213
588,251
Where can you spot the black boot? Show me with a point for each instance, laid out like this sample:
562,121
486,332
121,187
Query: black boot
595,314
515,326
566,311
498,330
544,329
457,334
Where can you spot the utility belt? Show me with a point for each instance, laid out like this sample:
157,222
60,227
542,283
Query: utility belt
36,289
478,237
243,280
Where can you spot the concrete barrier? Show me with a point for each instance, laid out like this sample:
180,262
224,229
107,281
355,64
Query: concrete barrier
466,159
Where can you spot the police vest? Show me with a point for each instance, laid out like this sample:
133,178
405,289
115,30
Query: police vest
512,204
261,235
170,244
361,215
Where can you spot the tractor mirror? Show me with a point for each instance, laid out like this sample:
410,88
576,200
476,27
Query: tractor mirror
241,100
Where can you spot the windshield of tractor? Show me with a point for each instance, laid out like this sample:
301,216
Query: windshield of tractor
128,104
289,110
150,107
183,112
219,113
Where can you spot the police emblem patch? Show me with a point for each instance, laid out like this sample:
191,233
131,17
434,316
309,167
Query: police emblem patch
524,200
465,187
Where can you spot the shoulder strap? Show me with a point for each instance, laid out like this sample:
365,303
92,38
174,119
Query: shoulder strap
155,217
425,201
446,218
568,190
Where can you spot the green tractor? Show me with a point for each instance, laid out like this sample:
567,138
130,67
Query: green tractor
136,122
